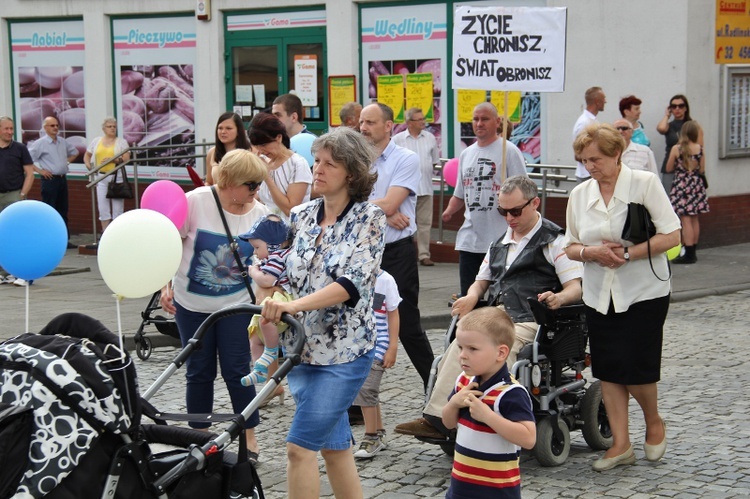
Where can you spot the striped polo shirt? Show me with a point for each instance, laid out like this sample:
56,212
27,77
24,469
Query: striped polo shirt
485,464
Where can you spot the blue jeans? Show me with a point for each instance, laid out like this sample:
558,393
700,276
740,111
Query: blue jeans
227,338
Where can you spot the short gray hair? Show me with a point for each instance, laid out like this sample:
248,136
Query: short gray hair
411,112
6,118
348,110
523,183
351,149
109,119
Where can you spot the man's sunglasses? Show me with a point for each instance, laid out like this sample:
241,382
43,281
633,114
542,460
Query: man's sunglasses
252,185
515,212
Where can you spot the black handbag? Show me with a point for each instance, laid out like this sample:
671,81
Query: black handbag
703,178
640,228
119,190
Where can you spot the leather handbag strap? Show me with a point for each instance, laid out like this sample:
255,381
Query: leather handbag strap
233,245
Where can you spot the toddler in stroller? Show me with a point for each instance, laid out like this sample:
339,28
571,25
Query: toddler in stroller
70,422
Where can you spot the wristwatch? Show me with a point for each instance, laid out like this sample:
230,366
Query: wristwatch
23,196
625,254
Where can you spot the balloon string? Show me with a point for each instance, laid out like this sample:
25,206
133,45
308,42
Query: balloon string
28,285
118,299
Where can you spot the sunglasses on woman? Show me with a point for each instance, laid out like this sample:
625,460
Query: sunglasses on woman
252,185
678,106
514,212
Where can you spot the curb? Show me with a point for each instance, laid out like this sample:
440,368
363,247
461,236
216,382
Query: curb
442,320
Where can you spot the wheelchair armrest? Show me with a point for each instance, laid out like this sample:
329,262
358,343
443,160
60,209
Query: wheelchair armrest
549,318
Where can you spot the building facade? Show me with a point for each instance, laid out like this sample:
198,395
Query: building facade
167,68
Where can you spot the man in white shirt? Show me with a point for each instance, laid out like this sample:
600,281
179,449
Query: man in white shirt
636,156
417,139
395,193
528,260
595,101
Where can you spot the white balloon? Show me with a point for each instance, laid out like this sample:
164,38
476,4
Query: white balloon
139,253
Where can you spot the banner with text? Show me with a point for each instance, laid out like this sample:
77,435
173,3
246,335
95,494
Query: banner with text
509,48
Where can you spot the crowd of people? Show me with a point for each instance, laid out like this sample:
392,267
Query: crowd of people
332,239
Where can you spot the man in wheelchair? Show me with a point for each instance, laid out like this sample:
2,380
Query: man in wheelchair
528,260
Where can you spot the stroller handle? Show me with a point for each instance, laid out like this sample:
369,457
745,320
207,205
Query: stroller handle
238,309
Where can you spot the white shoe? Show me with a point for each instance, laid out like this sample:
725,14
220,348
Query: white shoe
22,282
8,279
368,448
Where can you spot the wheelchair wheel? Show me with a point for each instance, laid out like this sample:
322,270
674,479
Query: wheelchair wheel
143,348
551,450
596,430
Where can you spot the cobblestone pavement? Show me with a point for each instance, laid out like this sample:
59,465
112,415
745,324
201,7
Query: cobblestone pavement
705,371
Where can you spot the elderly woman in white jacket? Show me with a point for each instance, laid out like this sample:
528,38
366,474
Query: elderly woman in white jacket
100,152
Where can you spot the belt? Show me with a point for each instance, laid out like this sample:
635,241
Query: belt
55,176
400,242
12,190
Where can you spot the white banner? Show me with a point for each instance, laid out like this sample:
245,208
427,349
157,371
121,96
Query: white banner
509,48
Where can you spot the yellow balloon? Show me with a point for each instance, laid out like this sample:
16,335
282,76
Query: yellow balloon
139,253
673,253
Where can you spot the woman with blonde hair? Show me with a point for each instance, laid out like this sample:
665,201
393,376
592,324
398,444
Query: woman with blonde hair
688,194
100,153
625,286
209,279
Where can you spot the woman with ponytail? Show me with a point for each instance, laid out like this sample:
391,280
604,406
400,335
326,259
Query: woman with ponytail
688,193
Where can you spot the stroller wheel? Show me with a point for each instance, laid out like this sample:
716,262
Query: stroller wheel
551,449
143,348
596,430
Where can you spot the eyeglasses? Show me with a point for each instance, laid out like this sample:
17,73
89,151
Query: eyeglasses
252,185
624,128
416,119
514,212
678,106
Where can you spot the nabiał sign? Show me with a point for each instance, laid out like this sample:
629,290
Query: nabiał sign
509,48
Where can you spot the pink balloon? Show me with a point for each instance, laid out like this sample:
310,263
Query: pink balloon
450,172
167,198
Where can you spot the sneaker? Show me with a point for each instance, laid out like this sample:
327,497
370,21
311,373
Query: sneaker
368,448
22,282
8,279
381,437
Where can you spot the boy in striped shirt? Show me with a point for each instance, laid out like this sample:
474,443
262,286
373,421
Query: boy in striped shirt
385,307
492,412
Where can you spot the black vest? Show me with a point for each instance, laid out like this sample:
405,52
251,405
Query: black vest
529,274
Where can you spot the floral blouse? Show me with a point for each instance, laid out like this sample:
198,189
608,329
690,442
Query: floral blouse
349,252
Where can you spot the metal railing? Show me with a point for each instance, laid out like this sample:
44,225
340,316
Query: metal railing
547,177
139,155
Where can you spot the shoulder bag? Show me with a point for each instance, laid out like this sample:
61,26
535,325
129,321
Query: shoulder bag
640,228
233,245
120,190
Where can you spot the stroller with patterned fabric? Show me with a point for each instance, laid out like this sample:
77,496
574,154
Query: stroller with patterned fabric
70,421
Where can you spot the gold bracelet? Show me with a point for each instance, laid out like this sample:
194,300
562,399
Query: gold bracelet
583,247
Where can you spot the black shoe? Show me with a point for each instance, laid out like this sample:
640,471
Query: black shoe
72,246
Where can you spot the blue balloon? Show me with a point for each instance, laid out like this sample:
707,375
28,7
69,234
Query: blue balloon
301,144
34,239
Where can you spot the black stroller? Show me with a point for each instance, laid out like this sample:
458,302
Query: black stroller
70,424
165,325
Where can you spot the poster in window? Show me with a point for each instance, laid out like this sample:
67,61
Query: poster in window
47,67
154,86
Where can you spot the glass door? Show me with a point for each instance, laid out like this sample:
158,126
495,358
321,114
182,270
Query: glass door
259,69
